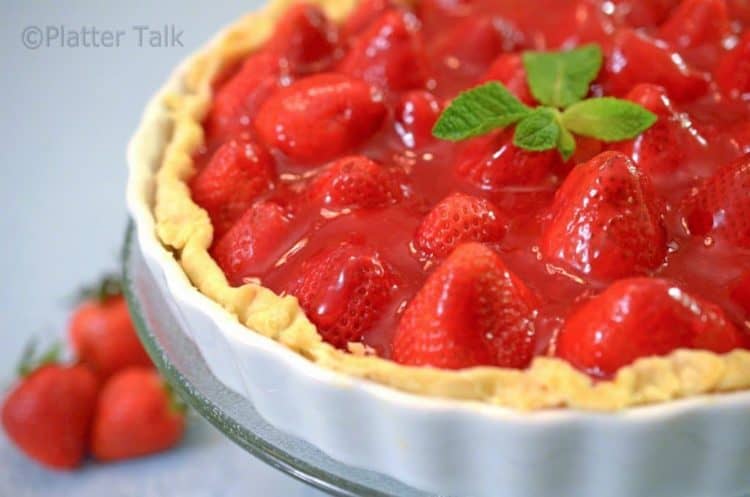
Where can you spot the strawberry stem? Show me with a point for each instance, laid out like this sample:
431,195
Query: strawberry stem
176,404
109,286
30,361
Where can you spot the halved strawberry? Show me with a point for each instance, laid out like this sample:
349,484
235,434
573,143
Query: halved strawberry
355,181
636,58
245,250
696,22
607,222
642,317
344,291
721,205
389,54
320,117
239,98
509,70
416,115
733,71
366,13
457,219
492,162
663,147
472,311
237,174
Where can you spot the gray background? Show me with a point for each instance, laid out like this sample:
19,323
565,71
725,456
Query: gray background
67,115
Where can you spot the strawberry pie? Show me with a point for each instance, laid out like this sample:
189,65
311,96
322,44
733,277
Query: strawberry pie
537,203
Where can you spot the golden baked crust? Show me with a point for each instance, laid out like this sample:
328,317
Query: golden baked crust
186,229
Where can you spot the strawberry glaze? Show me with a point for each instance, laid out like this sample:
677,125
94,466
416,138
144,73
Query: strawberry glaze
706,266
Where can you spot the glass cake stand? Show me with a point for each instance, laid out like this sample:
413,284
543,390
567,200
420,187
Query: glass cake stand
182,365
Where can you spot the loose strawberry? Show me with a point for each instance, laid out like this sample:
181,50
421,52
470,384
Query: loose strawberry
305,41
492,162
607,222
101,331
357,182
416,115
636,58
472,311
237,174
733,71
48,414
661,149
244,251
366,13
321,117
696,22
641,317
136,415
458,219
721,205
345,291
509,70
389,54
241,96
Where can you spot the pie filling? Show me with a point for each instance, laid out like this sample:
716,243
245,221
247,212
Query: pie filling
323,180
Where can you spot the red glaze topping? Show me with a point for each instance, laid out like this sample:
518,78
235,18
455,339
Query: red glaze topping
323,181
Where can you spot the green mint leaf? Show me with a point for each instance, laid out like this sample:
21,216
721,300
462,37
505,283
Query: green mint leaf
538,131
566,144
608,119
478,111
560,79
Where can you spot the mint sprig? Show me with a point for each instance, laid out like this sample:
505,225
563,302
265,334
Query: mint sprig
539,131
607,119
560,81
479,111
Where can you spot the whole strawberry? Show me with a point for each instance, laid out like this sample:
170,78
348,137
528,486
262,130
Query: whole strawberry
657,64
607,222
389,54
662,149
732,73
721,205
697,22
136,415
345,291
48,414
457,219
290,120
261,232
355,182
509,70
102,333
472,311
642,317
238,173
493,162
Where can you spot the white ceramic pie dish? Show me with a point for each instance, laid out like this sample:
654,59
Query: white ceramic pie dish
692,448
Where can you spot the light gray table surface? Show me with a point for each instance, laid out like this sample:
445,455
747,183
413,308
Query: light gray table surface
67,115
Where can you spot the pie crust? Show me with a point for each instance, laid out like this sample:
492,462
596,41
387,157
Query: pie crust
186,229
